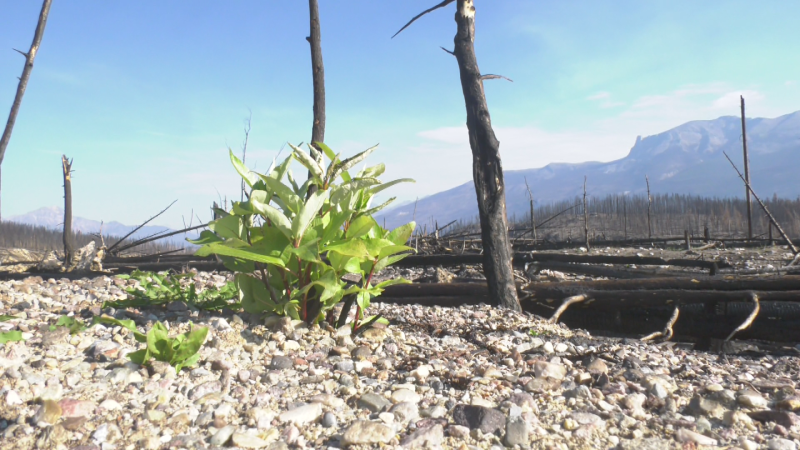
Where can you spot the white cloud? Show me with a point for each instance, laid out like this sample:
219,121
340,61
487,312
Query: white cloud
605,100
599,96
732,100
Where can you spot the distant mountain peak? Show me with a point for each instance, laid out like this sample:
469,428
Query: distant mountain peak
686,159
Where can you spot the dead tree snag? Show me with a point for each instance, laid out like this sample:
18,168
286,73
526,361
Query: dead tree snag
69,246
23,80
318,74
487,170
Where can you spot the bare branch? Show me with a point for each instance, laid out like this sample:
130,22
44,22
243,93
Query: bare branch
448,51
494,77
21,52
666,334
440,5
567,301
116,244
749,321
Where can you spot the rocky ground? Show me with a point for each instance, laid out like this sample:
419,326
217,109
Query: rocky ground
471,377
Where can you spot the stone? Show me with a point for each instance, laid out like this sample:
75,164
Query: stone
329,420
223,435
516,432
405,395
365,432
280,362
458,431
783,418
245,440
685,435
405,412
204,389
700,406
373,402
76,408
302,414
488,420
544,369
429,437
752,400
49,412
781,444
155,415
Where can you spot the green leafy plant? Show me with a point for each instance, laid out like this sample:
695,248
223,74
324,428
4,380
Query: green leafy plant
9,336
290,246
74,325
163,288
179,352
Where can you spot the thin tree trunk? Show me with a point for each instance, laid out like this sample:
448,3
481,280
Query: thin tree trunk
585,217
318,73
23,80
487,170
69,247
649,202
747,176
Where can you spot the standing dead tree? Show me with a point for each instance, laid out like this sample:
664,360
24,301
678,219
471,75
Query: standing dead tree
792,247
533,218
649,207
318,73
585,217
69,246
487,170
23,80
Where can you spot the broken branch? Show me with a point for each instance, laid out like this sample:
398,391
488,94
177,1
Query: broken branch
440,5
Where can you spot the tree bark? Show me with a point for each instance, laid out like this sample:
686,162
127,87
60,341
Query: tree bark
318,74
69,247
23,80
487,170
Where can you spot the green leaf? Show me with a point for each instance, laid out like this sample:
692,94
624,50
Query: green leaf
325,149
401,234
360,226
253,294
190,345
392,282
383,186
244,253
10,336
276,217
307,252
388,261
393,250
306,160
206,237
243,171
285,193
228,227
374,171
5,318
349,248
139,356
352,161
307,213
374,210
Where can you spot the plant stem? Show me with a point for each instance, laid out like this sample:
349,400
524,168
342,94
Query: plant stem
363,285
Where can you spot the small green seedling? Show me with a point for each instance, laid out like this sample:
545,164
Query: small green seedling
9,336
163,288
179,352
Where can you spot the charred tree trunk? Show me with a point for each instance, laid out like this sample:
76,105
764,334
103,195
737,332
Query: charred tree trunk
23,80
487,170
318,73
69,247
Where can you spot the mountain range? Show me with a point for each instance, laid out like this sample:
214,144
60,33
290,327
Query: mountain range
687,159
53,217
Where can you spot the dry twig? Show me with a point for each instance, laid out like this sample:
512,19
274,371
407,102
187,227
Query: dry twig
567,301
749,321
666,334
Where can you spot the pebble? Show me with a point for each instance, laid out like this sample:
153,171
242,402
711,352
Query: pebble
365,432
281,384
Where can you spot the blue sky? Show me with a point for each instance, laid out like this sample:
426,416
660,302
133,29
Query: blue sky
147,96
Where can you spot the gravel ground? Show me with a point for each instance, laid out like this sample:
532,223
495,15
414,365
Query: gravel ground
471,377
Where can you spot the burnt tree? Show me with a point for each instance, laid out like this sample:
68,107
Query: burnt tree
487,170
69,246
23,80
318,74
